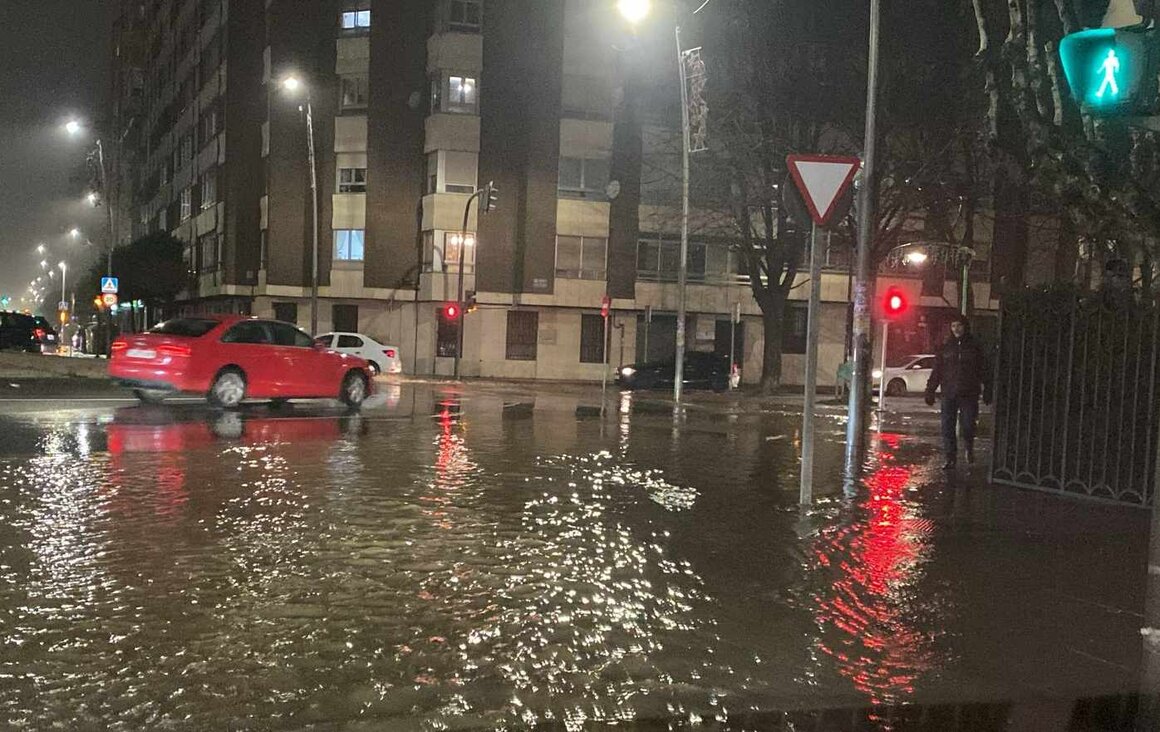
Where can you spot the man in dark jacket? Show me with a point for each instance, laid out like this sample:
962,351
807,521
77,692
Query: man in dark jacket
962,372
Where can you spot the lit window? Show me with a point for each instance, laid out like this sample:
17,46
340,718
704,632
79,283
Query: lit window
186,203
455,94
352,180
451,252
349,245
356,19
354,92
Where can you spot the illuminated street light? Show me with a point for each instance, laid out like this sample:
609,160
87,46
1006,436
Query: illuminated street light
634,11
75,233
40,249
292,84
916,258
92,199
73,127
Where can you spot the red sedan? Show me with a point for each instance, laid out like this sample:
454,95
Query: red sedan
231,358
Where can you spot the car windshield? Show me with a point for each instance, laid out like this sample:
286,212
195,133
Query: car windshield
42,322
185,327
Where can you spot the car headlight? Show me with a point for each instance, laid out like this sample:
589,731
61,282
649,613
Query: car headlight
627,371
877,373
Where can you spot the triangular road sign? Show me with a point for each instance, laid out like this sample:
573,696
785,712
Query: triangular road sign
822,179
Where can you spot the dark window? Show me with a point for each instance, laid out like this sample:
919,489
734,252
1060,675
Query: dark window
447,341
353,91
345,318
250,331
187,327
583,178
464,16
924,363
352,180
522,333
591,339
323,341
288,335
793,333
287,312
347,341
724,334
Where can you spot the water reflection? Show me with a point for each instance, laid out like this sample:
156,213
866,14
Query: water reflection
874,621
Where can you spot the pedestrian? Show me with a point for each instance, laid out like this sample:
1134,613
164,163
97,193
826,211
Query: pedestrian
962,373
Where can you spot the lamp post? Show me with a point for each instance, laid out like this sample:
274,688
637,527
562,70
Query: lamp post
74,128
635,11
63,276
292,84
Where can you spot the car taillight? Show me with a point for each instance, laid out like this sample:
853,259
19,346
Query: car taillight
181,351
390,352
118,347
39,334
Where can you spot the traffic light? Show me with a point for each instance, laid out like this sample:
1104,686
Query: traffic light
490,197
894,304
469,303
452,311
1112,70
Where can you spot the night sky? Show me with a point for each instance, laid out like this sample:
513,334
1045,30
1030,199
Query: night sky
53,65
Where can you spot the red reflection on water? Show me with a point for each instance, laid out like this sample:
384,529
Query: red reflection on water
866,615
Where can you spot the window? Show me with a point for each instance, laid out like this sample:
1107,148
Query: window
583,178
208,127
447,336
186,203
793,335
324,340
451,171
348,244
207,254
582,258
248,331
187,148
349,341
661,260
591,339
208,189
287,312
345,318
352,180
288,335
451,253
353,92
185,327
586,97
464,16
522,334
455,94
356,19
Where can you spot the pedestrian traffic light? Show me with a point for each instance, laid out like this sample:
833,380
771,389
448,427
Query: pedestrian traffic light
1112,70
894,304
452,311
490,197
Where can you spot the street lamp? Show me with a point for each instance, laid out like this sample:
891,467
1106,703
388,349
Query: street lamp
63,277
635,11
92,198
292,84
40,249
73,128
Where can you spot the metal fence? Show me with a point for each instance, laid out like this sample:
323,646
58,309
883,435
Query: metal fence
1076,388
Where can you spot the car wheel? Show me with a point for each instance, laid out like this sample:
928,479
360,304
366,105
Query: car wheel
375,370
896,387
354,390
228,389
149,396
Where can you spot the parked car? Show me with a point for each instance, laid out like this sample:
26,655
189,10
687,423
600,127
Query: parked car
18,332
231,358
909,378
702,371
383,359
46,335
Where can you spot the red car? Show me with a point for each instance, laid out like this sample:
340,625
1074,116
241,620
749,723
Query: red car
231,358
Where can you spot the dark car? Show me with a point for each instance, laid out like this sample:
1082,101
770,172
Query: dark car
46,335
702,371
18,333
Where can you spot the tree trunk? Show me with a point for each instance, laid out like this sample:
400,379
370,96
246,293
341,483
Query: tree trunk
773,319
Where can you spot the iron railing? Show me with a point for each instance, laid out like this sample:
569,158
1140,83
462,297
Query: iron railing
1076,387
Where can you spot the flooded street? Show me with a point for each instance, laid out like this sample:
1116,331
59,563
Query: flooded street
486,556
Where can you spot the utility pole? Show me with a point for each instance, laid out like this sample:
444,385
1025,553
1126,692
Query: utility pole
314,211
683,272
863,281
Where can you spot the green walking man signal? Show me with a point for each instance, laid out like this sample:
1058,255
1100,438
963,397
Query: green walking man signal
1113,71
1110,68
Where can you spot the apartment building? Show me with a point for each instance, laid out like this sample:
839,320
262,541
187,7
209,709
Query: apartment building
416,103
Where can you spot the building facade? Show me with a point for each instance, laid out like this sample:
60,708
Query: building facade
416,104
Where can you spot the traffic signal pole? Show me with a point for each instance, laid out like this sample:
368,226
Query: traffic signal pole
863,283
459,290
882,373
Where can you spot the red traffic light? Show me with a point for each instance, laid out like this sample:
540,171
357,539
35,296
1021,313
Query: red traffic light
894,304
451,311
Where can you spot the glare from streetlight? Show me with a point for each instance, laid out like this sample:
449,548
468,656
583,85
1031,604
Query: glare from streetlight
63,265
634,11
40,249
92,198
43,264
75,233
291,84
916,258
72,127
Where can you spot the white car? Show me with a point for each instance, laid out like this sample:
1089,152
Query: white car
383,359
909,378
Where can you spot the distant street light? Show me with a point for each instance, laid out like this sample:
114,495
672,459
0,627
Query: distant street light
73,127
75,233
40,249
43,264
92,198
292,84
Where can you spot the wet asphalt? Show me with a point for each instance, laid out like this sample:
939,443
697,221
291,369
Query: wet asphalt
496,555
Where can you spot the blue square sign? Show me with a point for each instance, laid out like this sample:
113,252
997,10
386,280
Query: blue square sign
109,285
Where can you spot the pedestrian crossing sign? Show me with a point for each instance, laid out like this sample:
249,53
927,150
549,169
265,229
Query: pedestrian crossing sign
109,285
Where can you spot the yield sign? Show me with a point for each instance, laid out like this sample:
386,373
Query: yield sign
822,179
